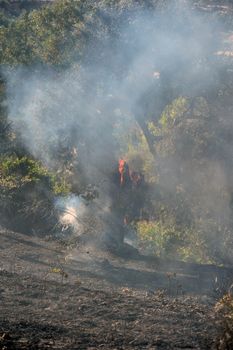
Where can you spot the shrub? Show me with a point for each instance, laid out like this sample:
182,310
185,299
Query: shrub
165,238
159,238
27,193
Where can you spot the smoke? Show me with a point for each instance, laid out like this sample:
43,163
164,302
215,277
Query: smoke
79,107
72,211
85,217
72,115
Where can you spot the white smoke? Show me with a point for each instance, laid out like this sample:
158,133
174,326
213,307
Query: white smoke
72,210
79,107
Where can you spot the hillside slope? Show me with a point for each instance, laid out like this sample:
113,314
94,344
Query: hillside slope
53,297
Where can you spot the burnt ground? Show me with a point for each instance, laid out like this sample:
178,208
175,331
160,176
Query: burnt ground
54,297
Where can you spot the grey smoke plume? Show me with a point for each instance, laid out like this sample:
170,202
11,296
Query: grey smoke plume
78,108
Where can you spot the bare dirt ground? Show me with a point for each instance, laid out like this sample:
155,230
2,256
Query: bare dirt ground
54,297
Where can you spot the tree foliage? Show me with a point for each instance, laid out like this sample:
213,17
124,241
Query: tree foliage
28,190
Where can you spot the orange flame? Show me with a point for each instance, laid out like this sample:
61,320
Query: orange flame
121,169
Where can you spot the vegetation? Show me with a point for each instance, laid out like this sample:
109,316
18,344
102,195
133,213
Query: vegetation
28,190
177,138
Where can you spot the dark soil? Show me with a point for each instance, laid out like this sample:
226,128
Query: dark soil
53,297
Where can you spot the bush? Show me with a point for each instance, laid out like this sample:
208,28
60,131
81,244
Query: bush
27,193
159,238
17,172
165,238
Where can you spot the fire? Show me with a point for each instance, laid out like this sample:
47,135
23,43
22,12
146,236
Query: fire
121,167
129,177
